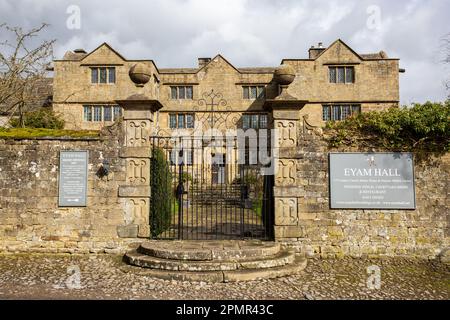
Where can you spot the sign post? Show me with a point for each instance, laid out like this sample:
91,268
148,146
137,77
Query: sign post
73,173
371,181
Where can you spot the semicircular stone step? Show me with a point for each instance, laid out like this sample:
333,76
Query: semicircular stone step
142,260
296,267
209,250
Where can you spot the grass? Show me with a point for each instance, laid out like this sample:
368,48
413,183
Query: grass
25,133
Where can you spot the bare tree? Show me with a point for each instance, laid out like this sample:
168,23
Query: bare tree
446,57
24,63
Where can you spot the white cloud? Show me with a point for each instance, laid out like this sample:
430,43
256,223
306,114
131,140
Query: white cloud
251,32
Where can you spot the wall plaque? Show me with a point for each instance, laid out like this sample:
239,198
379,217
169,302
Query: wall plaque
371,181
73,174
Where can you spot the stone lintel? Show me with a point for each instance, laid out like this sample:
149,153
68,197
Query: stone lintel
286,114
134,191
133,114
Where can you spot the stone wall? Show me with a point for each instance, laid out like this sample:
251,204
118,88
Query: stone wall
305,221
117,211
30,219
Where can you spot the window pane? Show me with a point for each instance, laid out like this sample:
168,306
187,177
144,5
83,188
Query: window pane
356,109
173,93
349,75
254,92
117,112
102,75
181,93
332,74
112,75
246,92
345,112
326,113
172,121
336,115
107,113
254,121
181,121
260,92
189,121
94,75
87,110
189,92
263,121
341,75
97,113
245,121
188,157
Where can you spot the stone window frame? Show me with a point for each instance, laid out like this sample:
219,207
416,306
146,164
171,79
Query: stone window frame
110,74
335,111
248,121
183,92
89,112
253,92
347,76
174,120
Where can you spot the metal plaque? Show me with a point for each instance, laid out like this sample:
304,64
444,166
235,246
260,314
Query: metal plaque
73,176
371,181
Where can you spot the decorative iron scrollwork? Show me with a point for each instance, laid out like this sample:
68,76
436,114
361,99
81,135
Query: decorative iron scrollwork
215,110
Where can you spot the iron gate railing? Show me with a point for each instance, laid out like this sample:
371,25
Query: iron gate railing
205,199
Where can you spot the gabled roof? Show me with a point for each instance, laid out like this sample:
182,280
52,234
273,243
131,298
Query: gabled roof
372,56
74,56
196,70
368,56
69,55
109,47
344,44
217,56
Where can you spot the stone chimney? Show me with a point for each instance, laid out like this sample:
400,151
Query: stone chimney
203,62
314,52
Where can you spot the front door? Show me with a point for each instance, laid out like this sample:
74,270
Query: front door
218,169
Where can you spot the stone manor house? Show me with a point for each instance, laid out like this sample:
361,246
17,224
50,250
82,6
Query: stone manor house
332,83
221,200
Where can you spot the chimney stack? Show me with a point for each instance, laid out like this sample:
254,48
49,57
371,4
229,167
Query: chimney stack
203,62
314,52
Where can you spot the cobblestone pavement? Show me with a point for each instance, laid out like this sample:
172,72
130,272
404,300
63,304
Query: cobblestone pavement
41,276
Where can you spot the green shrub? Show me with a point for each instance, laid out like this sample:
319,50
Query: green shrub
42,118
32,133
162,193
421,128
186,177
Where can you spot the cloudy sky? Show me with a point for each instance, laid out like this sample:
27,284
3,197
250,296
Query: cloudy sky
250,32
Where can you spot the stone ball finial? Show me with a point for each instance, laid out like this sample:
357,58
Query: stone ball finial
284,74
140,74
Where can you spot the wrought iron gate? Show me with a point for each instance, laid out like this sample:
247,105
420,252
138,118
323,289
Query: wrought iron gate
206,200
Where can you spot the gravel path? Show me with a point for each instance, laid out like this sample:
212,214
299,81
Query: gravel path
41,276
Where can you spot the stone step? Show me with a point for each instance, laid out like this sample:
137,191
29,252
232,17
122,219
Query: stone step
280,259
209,250
295,267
